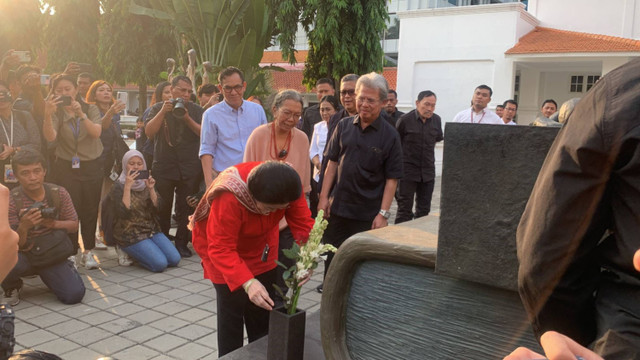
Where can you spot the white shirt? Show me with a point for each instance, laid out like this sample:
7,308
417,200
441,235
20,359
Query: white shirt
318,142
483,117
511,123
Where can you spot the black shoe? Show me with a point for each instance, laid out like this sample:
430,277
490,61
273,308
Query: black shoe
319,288
183,250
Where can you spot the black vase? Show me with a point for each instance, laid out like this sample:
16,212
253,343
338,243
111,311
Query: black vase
286,335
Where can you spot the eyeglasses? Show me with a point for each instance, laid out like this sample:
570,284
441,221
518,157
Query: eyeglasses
181,89
228,89
346,92
288,114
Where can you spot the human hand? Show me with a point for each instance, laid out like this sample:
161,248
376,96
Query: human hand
77,109
117,106
51,103
167,106
151,182
259,295
72,68
48,223
212,101
323,204
10,59
305,279
131,178
636,260
556,347
30,218
6,152
379,222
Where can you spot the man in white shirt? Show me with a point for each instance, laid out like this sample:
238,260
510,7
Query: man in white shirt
510,111
479,114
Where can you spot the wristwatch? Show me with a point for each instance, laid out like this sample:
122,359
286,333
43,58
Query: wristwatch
385,213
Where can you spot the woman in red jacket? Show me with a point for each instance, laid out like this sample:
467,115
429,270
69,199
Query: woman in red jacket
235,232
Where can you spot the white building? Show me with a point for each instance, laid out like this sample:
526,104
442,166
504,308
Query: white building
556,49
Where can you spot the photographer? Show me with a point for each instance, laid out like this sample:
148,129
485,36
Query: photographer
41,213
175,123
75,128
17,131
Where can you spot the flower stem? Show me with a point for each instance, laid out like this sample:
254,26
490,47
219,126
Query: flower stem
294,300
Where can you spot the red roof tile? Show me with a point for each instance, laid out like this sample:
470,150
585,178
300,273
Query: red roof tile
542,40
274,57
292,79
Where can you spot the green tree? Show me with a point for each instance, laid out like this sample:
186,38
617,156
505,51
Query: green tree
133,48
21,25
344,35
72,33
225,33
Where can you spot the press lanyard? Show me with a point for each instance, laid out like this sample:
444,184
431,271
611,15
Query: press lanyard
482,117
76,132
8,136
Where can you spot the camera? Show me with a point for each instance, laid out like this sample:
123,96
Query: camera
66,100
45,212
5,96
179,109
7,340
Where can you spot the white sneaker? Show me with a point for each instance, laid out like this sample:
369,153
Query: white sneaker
88,261
11,297
100,245
72,258
123,258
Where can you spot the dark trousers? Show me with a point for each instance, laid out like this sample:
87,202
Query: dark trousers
314,199
339,230
406,192
62,278
285,241
182,189
84,186
235,310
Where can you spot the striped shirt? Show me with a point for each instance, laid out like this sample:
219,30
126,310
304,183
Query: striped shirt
66,212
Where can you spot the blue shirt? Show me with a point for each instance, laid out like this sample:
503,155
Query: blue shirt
225,132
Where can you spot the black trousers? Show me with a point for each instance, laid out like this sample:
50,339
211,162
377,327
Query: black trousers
84,186
339,230
182,188
314,198
235,310
422,190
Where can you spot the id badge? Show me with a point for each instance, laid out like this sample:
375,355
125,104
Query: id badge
75,162
9,177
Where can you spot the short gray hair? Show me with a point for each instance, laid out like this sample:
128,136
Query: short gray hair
374,81
285,95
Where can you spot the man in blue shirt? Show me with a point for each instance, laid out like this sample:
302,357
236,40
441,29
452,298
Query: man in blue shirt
227,125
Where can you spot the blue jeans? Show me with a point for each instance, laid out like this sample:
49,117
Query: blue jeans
154,253
62,278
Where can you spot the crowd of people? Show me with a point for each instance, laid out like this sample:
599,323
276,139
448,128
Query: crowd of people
208,159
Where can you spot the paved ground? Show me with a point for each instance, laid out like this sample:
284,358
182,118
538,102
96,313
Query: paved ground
131,313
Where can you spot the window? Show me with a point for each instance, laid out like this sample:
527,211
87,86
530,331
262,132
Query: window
516,86
577,82
592,80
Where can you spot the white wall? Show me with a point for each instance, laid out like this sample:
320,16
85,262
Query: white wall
451,51
608,17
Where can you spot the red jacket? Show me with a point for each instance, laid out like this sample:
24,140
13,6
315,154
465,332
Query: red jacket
231,241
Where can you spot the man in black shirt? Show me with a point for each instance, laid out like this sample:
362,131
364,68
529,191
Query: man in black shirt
365,163
419,131
176,166
391,109
579,231
311,115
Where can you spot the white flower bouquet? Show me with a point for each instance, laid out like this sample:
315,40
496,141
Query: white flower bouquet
307,258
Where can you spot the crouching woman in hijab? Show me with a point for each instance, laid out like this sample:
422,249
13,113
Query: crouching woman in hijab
136,228
235,232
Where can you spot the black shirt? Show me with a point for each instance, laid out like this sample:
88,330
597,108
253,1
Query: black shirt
178,160
393,118
588,184
418,142
310,117
366,159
